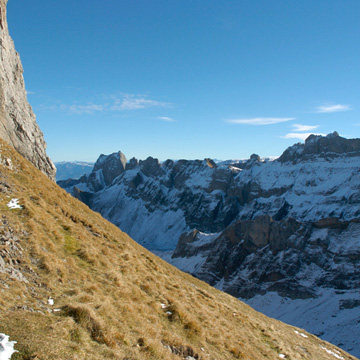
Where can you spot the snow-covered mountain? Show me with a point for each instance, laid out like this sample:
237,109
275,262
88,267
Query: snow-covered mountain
285,231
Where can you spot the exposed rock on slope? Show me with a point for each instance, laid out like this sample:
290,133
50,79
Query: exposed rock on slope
18,125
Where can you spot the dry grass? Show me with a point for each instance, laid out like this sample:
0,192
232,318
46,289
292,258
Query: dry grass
109,290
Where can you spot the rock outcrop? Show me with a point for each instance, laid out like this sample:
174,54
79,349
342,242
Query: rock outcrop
261,255
18,125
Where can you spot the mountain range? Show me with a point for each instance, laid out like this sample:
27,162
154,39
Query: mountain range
259,229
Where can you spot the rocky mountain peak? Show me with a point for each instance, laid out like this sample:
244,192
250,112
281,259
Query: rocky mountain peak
329,146
106,169
150,166
18,125
132,164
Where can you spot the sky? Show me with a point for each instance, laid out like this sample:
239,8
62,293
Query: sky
185,79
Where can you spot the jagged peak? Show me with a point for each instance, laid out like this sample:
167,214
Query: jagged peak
150,166
106,169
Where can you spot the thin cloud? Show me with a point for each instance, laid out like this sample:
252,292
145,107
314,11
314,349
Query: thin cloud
301,136
166,118
332,108
133,102
83,109
259,121
114,103
46,107
300,128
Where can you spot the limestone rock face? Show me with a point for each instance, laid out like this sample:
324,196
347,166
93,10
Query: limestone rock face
18,124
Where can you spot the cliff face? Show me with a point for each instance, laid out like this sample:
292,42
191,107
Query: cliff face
18,124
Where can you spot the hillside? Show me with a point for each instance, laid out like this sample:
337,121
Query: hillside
112,298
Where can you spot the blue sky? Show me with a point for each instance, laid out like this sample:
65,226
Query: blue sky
188,79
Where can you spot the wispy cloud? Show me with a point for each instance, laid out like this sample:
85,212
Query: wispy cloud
301,136
259,121
300,128
166,118
46,107
331,108
83,109
113,103
133,102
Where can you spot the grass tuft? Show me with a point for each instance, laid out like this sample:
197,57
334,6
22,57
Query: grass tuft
89,321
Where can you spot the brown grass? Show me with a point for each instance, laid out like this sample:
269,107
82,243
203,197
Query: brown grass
109,290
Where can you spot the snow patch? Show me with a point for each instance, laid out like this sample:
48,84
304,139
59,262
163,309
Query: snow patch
6,347
334,353
14,204
301,334
204,238
189,264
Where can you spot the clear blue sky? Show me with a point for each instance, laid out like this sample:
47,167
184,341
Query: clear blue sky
188,78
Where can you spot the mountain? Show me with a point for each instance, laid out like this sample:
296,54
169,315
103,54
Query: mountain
72,169
258,229
74,286
18,125
305,183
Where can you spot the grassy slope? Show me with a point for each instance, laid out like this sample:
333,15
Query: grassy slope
110,289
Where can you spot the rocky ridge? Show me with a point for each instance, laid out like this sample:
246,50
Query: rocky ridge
18,125
253,228
194,194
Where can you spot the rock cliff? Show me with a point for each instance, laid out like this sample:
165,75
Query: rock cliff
18,125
